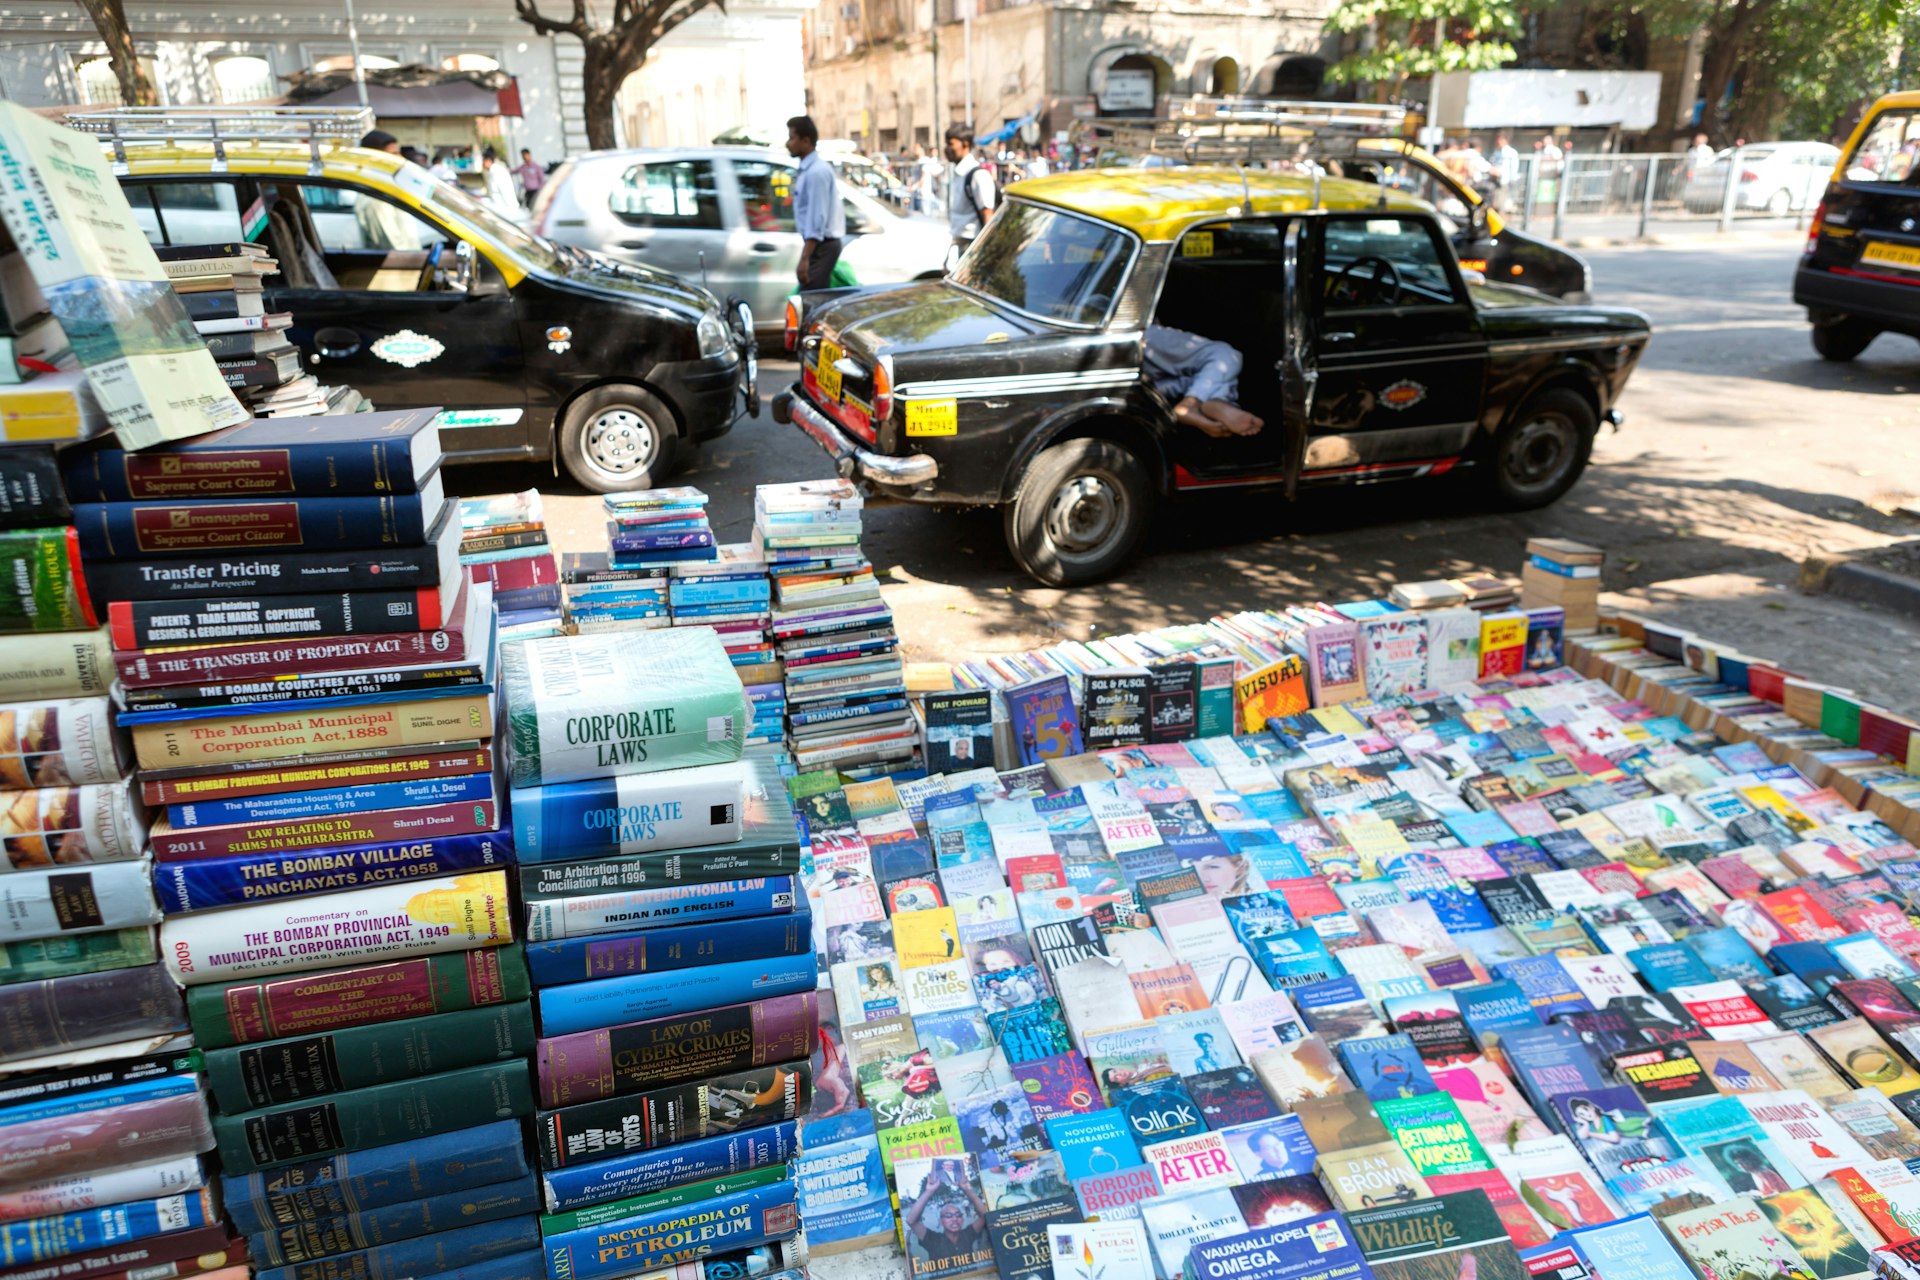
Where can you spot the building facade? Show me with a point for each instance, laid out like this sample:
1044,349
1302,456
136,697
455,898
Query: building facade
889,73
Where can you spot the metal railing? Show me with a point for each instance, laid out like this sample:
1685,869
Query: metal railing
1640,190
221,125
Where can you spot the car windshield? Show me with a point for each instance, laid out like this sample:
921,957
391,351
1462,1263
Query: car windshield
1887,150
515,238
1054,265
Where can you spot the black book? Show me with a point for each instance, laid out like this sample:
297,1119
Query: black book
1173,706
224,304
1513,900
1019,1236
959,730
247,344
31,494
150,624
1114,708
261,371
192,252
490,542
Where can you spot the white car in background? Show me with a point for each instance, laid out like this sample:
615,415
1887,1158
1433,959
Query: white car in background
723,217
1777,178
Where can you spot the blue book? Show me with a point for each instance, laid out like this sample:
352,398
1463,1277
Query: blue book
559,914
589,1006
85,1230
1297,958
1386,1066
635,813
677,947
1810,962
1632,1248
360,1180
545,596
256,877
1158,1110
1044,723
738,1220
139,530
885,706
390,452
1549,988
639,1173
283,805
1317,1248
710,591
625,542
1550,1061
429,1255
840,1184
517,1266
285,1244
1728,955
1667,965
1330,993
1093,1143
1273,1148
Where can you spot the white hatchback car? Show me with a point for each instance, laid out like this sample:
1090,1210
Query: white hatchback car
1777,178
723,216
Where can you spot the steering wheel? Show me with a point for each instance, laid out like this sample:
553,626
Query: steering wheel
1382,286
433,262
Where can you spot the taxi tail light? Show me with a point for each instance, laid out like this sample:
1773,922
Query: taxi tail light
790,333
1813,229
882,390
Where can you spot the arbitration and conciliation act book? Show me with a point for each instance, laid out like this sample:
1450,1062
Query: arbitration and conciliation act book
148,624
191,526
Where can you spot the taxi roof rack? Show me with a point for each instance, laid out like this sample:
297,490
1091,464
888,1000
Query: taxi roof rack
1246,130
221,125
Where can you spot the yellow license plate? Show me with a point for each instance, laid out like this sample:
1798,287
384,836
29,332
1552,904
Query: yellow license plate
1898,256
826,372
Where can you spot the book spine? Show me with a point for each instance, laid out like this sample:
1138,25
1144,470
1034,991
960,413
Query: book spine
38,959
487,543
677,904
111,1187
183,578
30,489
832,715
98,822
146,624
64,742
318,468
646,1172
373,771
353,927
311,1003
380,826
737,1221
256,371
257,661
520,598
622,540
373,1117
385,1225
279,1072
687,1193
56,664
632,813
61,1235
677,1113
289,805
140,1132
315,1190
604,875
321,523
42,569
589,1006
87,1009
274,737
675,947
177,1253
637,1056
516,575
192,702
442,1254
56,900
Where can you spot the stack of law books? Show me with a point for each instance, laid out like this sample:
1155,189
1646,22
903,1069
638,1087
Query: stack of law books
504,543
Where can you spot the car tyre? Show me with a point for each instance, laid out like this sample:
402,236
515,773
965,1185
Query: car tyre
1842,339
1780,203
1079,512
617,439
1541,451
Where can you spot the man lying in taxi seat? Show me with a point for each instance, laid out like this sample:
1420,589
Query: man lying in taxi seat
1202,377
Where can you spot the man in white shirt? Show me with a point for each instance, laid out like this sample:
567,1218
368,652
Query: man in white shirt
970,193
500,184
384,225
1506,170
817,212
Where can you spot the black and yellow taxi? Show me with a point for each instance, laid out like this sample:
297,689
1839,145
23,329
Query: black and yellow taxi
1018,382
1859,276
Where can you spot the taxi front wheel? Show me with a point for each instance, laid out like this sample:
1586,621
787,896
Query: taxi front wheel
617,439
1079,512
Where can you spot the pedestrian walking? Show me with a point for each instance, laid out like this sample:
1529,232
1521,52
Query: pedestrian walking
1506,171
970,193
532,175
500,184
817,212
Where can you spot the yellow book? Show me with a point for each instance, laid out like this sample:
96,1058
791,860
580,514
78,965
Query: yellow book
1277,689
275,737
926,937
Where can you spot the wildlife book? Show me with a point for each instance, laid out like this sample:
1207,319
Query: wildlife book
1443,1238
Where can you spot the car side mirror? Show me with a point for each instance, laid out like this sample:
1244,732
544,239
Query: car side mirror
486,282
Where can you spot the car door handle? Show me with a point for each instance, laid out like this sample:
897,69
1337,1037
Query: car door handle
1342,336
764,246
335,343
633,244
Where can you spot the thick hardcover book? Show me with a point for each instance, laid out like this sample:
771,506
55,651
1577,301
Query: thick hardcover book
588,1006
365,453
375,1228
147,624
38,959
287,693
77,1012
637,1056
622,539
55,664
98,822
46,591
247,1077
646,1172
472,625
278,735
143,1128
632,813
441,1253
735,1221
168,1254
745,860
268,370
486,544
687,1193
112,1187
674,1113
440,821
294,805
57,900
30,492
235,346
373,1117
420,917
485,1155
61,1235
434,562
61,742
675,947
223,304
551,918
118,530
312,1003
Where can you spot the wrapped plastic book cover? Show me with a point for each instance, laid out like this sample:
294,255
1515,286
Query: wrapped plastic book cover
621,702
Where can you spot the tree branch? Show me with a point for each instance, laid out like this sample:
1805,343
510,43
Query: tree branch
687,10
529,12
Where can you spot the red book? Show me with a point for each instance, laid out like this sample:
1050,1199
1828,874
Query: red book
167,1257
1804,919
516,575
141,624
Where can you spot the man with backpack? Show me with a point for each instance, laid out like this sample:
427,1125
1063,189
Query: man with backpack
970,191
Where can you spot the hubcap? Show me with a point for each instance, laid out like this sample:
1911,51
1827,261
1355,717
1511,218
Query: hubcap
620,441
1539,452
1086,513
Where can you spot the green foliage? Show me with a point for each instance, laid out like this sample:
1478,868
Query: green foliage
1414,39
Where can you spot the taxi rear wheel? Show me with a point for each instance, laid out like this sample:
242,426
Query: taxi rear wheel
1079,512
1543,448
1843,339
619,438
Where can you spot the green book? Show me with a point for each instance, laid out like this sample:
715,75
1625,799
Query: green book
1431,1239
378,1116
1840,717
1433,1133
248,1077
42,568
915,1141
62,957
594,1215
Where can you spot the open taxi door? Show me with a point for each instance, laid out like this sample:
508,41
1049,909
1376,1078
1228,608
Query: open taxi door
1298,376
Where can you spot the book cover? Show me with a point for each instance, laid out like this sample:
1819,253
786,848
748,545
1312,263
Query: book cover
959,730
1280,1200
646,1172
1196,1163
738,1100
1058,1085
1360,1177
1114,703
1274,691
1444,1238
1316,1248
943,1216
1045,725
1230,1096
632,1057
1827,1244
1634,1248
736,1220
1735,1239
1094,1250
1098,1142
1386,1067
1268,1149
1018,1235
998,1127
1175,1224
1434,1133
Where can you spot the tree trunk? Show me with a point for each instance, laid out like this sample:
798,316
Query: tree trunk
1725,49
110,19
601,75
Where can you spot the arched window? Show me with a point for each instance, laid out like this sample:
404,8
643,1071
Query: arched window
344,62
470,62
243,79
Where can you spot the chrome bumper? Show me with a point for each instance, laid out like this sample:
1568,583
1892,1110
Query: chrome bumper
849,458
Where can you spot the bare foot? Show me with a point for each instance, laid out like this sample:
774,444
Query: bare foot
1236,420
